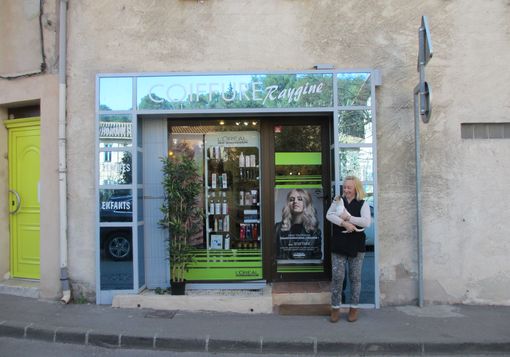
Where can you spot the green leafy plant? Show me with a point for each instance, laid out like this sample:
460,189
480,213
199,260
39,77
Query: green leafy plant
181,215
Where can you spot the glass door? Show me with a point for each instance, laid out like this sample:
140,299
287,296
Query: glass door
300,187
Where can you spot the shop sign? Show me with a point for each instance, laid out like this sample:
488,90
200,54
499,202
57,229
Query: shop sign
233,139
114,130
115,168
115,205
235,91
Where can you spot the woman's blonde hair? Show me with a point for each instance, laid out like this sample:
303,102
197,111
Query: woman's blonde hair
309,215
358,186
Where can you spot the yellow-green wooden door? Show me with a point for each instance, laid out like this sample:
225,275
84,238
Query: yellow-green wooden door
24,193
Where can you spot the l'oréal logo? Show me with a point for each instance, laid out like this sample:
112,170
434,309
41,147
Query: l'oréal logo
242,273
232,140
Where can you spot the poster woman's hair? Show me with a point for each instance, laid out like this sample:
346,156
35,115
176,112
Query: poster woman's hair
309,215
358,186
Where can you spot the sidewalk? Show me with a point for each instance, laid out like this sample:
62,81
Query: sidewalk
406,330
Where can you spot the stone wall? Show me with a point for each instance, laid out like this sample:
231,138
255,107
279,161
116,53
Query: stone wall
21,48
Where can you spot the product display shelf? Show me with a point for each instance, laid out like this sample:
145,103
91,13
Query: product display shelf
232,193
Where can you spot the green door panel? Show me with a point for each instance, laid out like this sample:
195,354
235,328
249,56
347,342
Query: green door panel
24,175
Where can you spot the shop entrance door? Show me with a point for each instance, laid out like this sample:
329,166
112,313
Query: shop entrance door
300,176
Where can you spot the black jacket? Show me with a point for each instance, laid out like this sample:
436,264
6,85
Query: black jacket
349,243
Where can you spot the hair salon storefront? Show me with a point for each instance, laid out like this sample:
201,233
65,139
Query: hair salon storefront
266,145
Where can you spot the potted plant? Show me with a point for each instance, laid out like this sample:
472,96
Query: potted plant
181,215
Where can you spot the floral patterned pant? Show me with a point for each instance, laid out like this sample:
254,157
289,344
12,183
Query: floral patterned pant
338,262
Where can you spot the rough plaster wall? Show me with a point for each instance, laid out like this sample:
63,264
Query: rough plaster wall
466,187
20,52
395,134
50,245
233,35
4,203
20,48
20,37
50,25
44,90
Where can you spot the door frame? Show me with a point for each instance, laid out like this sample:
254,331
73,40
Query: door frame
268,181
13,124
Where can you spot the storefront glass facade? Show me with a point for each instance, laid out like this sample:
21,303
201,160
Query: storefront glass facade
218,119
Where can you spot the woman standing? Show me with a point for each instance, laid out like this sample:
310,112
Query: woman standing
350,215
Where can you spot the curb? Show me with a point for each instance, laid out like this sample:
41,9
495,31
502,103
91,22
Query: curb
33,331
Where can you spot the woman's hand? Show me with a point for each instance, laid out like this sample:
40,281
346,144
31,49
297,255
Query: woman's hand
349,227
345,215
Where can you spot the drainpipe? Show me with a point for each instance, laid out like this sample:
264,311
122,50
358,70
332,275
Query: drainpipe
62,167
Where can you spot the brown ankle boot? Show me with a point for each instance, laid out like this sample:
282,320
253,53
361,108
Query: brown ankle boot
335,315
353,314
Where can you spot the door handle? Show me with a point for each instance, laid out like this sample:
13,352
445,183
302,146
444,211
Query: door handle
18,199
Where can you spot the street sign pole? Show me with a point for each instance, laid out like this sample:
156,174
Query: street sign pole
422,109
418,193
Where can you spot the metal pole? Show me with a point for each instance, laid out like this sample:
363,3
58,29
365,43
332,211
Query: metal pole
418,111
421,111
418,195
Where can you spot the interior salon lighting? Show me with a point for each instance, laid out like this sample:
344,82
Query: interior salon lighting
170,153
254,123
222,122
246,123
238,123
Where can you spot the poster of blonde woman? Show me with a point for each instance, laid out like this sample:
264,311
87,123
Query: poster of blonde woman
298,213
